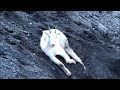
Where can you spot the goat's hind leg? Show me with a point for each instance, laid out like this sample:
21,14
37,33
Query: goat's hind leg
67,58
61,65
74,56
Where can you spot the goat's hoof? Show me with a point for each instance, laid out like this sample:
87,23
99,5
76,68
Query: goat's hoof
79,61
71,61
68,73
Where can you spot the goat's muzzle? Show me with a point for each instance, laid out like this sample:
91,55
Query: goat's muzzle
52,45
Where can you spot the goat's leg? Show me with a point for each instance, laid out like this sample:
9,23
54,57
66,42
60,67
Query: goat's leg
74,56
67,58
61,65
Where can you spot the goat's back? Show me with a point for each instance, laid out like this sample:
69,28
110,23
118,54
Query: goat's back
62,39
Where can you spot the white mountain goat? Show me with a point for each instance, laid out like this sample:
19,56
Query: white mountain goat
53,42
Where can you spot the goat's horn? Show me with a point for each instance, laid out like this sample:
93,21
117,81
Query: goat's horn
48,27
49,31
55,29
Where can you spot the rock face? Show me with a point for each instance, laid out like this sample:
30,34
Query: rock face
93,35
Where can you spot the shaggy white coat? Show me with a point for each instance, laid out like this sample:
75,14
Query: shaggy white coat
53,42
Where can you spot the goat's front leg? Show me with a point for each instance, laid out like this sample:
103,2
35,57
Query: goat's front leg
60,64
67,58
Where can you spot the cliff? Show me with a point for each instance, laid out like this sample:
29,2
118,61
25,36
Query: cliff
93,35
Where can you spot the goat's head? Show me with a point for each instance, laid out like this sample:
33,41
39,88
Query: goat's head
52,36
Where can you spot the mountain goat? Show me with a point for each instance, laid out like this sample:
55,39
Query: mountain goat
53,42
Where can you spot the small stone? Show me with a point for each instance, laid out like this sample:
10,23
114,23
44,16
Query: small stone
52,68
30,23
33,53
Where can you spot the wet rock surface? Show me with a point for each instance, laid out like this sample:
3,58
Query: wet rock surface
94,36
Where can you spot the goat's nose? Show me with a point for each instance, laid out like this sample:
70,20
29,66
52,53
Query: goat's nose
53,45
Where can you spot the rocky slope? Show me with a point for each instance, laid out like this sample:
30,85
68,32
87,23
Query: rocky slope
93,35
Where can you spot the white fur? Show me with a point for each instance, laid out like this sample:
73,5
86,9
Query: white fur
61,47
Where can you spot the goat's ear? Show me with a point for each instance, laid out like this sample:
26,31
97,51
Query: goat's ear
46,33
58,33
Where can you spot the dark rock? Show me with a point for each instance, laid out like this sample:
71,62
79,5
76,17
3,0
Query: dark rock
93,35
